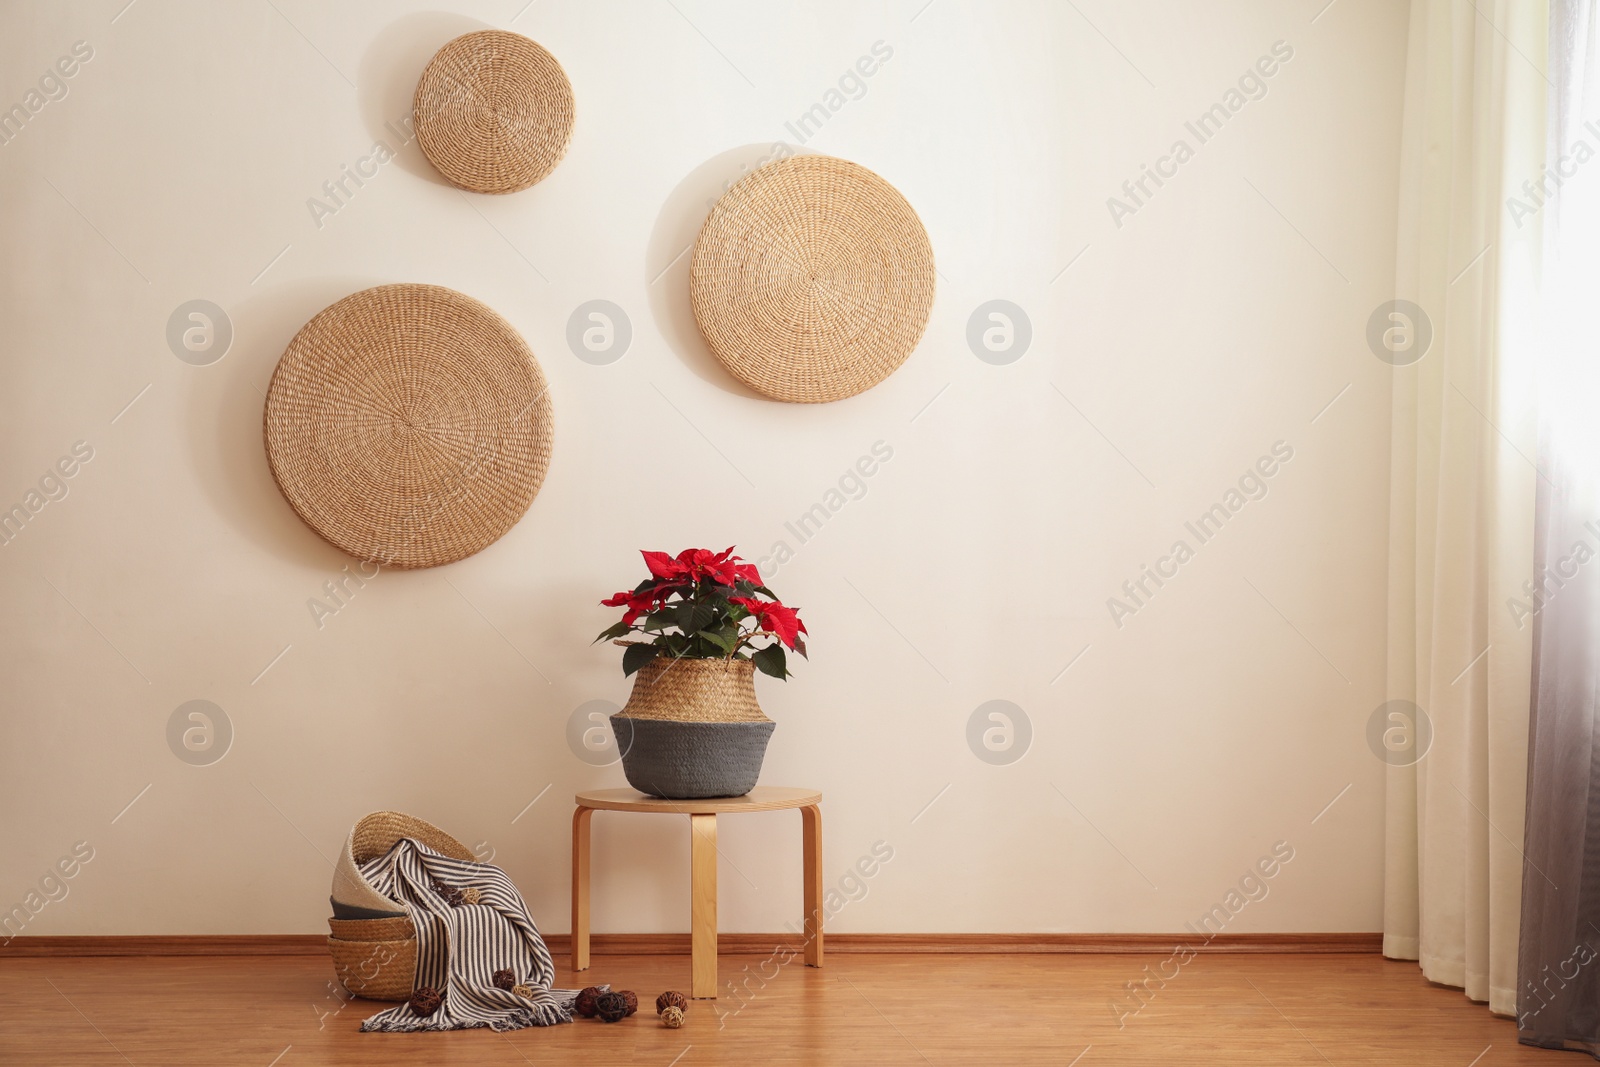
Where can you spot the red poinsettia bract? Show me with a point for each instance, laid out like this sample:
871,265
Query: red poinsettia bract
774,618
697,564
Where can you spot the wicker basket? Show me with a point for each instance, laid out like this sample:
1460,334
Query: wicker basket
695,690
377,958
693,729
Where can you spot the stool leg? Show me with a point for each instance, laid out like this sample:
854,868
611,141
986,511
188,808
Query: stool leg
580,888
811,831
703,904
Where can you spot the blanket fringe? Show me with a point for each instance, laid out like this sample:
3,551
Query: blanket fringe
542,1015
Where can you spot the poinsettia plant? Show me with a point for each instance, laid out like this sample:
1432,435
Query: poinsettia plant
701,604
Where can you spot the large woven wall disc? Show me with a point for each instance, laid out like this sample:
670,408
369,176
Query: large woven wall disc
409,424
812,279
494,112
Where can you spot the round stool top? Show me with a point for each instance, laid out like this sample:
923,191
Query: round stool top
761,798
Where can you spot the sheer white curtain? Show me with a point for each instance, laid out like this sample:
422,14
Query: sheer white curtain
1462,490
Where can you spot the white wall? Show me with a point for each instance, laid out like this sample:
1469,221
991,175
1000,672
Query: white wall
1218,319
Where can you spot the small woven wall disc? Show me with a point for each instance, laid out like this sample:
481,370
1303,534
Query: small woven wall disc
409,425
812,279
494,112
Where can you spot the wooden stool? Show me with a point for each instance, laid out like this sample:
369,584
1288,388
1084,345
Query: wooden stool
702,866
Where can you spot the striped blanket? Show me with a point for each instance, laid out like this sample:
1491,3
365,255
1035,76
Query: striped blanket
471,922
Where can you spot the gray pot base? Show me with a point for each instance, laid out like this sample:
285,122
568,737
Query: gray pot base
691,760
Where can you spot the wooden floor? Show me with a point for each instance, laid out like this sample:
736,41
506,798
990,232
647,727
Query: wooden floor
861,1009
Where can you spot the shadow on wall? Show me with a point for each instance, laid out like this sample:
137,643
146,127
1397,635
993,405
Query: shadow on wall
386,83
671,248
227,410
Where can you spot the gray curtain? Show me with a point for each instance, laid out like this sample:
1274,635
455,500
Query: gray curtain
1558,1004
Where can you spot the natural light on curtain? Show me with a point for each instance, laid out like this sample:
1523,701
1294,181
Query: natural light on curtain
1567,199
1559,957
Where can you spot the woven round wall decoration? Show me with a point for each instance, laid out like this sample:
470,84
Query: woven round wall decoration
409,425
812,279
494,112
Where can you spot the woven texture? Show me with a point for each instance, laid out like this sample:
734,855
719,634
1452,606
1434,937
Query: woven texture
377,958
691,760
695,690
812,279
376,970
494,112
377,833
397,929
409,425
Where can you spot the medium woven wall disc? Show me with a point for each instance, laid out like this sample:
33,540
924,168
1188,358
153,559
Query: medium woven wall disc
409,424
812,279
494,112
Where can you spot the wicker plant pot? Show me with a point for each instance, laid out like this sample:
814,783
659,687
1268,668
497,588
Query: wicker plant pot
377,958
692,728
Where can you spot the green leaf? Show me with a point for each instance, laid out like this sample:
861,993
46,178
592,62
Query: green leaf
692,615
636,656
800,645
771,660
614,631
723,643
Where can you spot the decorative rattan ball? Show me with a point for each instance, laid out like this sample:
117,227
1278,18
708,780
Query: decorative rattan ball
671,999
611,1007
494,112
632,1000
426,1000
504,979
524,990
471,895
408,425
584,1005
812,279
672,1017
